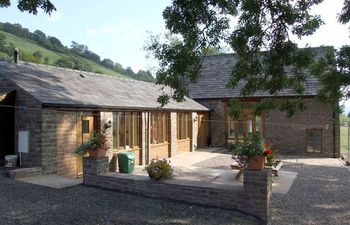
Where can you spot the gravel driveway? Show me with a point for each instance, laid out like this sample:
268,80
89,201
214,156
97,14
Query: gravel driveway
319,195
26,204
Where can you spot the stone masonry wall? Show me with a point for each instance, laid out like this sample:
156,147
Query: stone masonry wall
173,133
49,141
194,132
66,143
217,133
254,198
289,134
27,118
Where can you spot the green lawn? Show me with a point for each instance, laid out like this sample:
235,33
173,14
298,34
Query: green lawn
344,141
29,47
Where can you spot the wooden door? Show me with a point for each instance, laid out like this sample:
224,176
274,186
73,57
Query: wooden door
85,127
202,138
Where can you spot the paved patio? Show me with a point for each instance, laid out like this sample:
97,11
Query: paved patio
212,165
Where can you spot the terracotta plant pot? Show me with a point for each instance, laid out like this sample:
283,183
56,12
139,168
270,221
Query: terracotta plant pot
256,163
97,153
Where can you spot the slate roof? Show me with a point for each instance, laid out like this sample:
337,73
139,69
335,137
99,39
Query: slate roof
215,73
71,88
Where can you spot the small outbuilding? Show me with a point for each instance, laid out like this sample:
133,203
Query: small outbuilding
47,112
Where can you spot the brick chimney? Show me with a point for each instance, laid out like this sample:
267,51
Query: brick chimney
16,55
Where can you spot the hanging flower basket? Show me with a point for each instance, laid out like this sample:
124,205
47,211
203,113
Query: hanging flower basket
256,163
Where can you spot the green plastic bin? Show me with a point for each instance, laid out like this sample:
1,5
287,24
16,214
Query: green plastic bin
126,162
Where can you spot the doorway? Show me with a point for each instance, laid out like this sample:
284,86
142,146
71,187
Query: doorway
7,124
203,128
85,127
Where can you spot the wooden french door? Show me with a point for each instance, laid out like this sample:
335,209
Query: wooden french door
238,129
85,127
203,128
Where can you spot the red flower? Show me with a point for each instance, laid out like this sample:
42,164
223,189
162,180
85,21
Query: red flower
269,152
266,145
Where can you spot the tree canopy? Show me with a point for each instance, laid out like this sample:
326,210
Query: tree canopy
263,44
31,6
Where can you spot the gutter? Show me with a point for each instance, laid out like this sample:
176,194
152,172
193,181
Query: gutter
73,107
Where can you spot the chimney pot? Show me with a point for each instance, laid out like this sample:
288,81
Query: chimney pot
16,55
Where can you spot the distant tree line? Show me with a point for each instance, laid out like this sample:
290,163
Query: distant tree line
56,45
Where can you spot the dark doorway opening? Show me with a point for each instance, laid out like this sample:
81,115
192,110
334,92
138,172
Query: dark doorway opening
7,124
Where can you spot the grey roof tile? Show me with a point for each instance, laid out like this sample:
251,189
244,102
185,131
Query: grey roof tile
66,87
216,71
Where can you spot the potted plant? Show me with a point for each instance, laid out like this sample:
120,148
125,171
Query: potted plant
96,146
252,152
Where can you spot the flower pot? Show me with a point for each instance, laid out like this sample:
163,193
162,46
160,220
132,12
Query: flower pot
256,163
97,153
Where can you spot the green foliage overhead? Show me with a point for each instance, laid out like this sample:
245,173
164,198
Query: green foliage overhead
31,6
263,45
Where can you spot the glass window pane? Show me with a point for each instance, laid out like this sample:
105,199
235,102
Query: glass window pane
115,127
313,140
86,126
258,124
135,129
231,129
121,130
240,128
249,126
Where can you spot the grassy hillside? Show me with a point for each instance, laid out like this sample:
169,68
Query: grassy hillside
29,47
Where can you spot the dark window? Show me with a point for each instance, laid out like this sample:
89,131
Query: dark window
314,140
86,125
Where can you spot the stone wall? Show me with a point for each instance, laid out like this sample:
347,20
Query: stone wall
194,138
253,198
289,134
67,143
173,133
27,118
49,141
217,132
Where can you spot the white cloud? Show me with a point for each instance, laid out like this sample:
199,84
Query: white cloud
55,16
120,28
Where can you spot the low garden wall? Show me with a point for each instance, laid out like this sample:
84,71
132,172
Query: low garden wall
253,198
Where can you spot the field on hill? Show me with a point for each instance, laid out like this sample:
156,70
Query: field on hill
29,47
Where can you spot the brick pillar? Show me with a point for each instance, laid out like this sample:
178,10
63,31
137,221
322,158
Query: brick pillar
144,139
194,131
257,193
173,133
94,167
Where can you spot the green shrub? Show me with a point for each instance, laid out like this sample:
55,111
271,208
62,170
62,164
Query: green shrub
159,169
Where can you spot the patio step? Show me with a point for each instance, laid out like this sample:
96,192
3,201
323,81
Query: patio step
24,172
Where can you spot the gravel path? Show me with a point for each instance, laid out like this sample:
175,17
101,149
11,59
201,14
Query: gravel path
26,204
319,195
218,162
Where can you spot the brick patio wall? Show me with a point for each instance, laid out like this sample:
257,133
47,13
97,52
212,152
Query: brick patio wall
253,198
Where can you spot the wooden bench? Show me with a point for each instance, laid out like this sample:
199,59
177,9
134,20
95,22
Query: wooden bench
275,169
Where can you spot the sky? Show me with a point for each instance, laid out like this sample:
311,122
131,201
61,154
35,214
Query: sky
118,29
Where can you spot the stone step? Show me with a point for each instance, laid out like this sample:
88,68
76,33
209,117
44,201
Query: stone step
24,172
